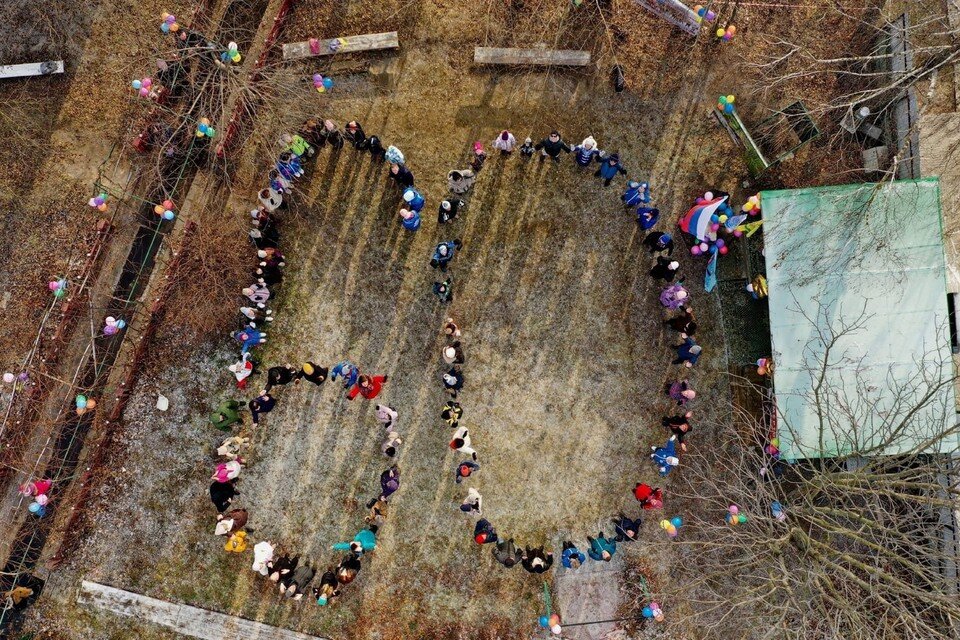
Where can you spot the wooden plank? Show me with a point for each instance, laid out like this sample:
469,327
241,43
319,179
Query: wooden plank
31,69
348,44
674,12
558,57
184,619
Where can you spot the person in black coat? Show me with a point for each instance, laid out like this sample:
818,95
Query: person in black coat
281,375
627,530
355,135
401,176
263,403
665,269
222,494
552,146
657,241
536,561
449,209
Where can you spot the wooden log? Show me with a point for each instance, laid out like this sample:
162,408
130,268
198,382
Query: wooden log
348,44
31,69
542,57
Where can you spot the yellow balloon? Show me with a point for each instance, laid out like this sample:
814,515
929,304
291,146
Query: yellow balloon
720,33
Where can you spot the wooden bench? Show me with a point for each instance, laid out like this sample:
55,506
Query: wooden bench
542,57
348,44
31,69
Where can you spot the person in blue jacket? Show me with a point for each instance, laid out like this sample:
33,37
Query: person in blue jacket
636,193
688,352
647,217
365,540
571,558
601,548
585,152
414,200
346,370
411,219
444,253
609,168
665,457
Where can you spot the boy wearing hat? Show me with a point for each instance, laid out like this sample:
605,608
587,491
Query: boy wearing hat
449,209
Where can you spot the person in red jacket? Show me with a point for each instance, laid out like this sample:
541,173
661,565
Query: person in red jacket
649,497
367,386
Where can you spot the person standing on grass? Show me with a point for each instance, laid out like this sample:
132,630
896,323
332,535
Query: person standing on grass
460,181
450,328
363,542
299,582
375,147
484,532
461,442
313,373
601,548
346,370
451,413
505,142
551,147
665,269
449,209
387,416
507,554
389,482
609,168
328,589
289,167
453,381
585,152
647,217
257,293
527,149
453,353
270,198
394,155
258,318
637,193
665,457
281,375
222,494
260,405
465,469
685,323
391,444
367,386
657,241
679,426
571,558
444,253
262,554
413,199
648,497
479,157
348,568
688,352
681,391
473,503
410,219
226,415
626,529
331,134
674,297
355,135
444,290
536,561
401,176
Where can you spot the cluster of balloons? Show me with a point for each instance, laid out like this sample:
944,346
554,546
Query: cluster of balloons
142,86
18,381
39,505
718,219
551,622
321,84
165,210
726,34
112,326
231,54
98,202
672,526
169,23
204,128
654,611
752,205
725,103
58,287
704,14
734,517
85,404
778,511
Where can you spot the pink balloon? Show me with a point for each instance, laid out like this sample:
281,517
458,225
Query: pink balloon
734,509
53,285
723,251
695,250
144,92
146,82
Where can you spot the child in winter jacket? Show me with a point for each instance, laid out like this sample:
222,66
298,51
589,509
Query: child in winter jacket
601,548
609,168
410,219
571,558
585,152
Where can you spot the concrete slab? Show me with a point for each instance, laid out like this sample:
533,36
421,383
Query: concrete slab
588,594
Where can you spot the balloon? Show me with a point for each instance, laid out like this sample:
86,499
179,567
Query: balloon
91,403
320,89
722,100
728,108
164,27
554,619
174,27
704,246
23,376
121,324
136,84
168,204
720,242
232,46
236,57
775,442
711,16
695,250
110,320
664,524
53,285
42,499
708,195
327,83
726,37
147,82
647,612
144,92
741,518
8,378
164,15
34,507
713,248
734,509
59,293
723,218
170,19
731,30
317,78
715,226
737,233
158,209
102,207
169,215
556,629
723,250
720,33
714,218
211,132
109,330
748,205
81,401
544,621
99,200
92,202
676,521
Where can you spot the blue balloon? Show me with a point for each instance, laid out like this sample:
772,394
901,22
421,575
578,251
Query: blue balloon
713,248
164,27
34,507
714,218
676,521
327,83
544,620
728,108
647,612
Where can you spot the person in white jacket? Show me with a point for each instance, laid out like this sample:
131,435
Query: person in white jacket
262,554
505,142
461,442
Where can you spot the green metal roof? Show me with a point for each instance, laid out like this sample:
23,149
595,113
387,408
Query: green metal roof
858,319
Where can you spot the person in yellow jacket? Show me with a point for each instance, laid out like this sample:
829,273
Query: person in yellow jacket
237,542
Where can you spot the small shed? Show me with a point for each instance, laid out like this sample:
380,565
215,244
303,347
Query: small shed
859,319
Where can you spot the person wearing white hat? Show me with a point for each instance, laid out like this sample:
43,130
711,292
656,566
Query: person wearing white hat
453,354
449,209
665,269
585,152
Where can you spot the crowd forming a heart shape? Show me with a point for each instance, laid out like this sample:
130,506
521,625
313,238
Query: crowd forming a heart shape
295,575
